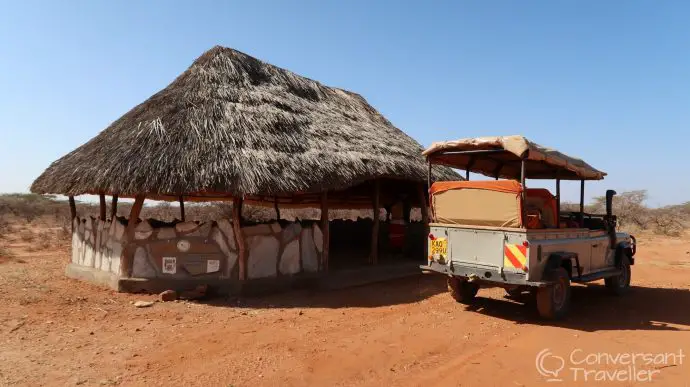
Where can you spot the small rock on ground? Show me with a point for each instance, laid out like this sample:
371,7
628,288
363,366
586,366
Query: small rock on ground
143,304
168,295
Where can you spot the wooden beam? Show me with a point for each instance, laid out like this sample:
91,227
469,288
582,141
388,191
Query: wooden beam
424,207
239,237
128,254
182,208
103,206
275,205
113,208
325,231
375,229
72,207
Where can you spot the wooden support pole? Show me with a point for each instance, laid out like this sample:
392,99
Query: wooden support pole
375,229
103,206
128,254
325,231
72,207
428,175
470,164
72,211
113,208
275,205
182,208
558,202
424,207
582,203
497,171
523,180
239,237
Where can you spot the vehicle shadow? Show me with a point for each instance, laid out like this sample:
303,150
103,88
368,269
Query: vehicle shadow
593,308
407,290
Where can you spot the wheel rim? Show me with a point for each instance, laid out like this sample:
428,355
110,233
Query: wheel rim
559,291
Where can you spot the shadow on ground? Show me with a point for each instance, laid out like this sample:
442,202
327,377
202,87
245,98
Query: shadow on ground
593,308
392,292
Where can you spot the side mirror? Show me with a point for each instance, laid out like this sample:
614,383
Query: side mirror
609,201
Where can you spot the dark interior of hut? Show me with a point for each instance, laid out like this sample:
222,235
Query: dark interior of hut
351,243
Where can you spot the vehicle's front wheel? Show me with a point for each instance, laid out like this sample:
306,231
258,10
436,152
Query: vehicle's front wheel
462,291
620,284
553,300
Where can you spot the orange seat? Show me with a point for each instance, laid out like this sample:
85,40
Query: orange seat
542,199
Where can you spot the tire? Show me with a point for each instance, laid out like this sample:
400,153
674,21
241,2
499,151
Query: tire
462,291
553,301
620,284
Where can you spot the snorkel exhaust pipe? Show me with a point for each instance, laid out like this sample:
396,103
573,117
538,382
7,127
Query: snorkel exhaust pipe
610,218
609,201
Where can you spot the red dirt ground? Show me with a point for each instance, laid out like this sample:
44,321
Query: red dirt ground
57,331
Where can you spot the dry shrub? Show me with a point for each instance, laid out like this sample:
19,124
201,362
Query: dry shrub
27,206
668,222
5,227
6,253
65,232
634,215
27,235
47,239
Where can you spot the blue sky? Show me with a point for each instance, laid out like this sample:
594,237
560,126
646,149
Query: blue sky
608,81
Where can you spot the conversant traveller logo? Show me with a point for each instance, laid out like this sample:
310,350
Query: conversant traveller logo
582,366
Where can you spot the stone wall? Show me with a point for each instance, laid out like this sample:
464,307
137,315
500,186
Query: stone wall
197,250
98,244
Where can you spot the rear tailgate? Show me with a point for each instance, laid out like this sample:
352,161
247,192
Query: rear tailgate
498,249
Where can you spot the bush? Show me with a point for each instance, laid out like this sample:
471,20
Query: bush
633,214
6,253
27,236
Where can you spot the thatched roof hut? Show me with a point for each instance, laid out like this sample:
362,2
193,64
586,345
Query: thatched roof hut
232,125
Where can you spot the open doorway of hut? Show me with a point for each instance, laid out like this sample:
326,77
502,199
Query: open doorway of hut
401,238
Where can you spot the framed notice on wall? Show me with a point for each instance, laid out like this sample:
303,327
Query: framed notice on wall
169,265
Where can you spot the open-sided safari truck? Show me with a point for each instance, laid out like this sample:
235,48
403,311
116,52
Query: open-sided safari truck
501,233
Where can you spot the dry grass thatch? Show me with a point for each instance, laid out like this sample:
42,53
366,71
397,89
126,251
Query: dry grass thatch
233,124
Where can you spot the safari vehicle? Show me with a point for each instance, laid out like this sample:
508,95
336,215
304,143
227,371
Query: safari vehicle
502,233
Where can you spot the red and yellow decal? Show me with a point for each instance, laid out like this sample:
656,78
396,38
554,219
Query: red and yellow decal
515,256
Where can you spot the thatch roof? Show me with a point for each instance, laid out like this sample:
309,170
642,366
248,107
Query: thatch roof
234,125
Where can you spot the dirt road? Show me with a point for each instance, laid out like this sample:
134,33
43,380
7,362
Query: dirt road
56,331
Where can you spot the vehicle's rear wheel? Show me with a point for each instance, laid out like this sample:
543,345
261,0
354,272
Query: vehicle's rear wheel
553,300
462,291
620,284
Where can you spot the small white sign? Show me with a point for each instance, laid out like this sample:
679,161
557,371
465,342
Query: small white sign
212,265
169,265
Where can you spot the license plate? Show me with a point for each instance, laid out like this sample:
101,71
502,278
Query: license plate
439,246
